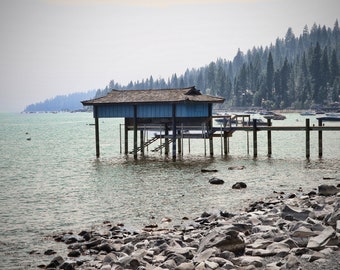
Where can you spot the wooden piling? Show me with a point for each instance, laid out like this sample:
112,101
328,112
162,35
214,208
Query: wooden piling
255,138
173,132
307,139
135,131
97,136
126,137
225,142
247,142
179,142
211,143
120,138
166,134
141,141
269,138
204,134
320,138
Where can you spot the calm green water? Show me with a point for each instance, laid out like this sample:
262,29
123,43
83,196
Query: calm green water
53,183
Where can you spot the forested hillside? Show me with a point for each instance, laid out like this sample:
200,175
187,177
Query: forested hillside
69,102
295,72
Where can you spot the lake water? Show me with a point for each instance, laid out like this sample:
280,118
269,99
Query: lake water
53,182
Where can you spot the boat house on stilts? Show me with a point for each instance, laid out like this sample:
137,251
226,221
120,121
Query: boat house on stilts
173,112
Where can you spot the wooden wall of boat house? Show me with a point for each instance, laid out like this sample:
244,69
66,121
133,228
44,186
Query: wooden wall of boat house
152,110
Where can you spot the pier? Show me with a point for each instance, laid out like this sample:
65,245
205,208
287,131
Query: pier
234,123
174,115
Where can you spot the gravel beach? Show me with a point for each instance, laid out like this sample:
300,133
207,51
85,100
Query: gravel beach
299,230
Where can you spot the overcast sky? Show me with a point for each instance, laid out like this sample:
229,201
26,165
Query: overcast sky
56,47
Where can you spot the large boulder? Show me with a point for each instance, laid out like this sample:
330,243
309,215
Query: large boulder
327,190
229,240
294,213
239,185
318,242
216,181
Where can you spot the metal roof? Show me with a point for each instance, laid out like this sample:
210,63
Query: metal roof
179,95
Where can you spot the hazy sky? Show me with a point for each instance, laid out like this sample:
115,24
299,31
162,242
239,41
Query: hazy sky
55,47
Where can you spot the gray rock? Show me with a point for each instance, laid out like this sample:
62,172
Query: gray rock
216,181
185,266
187,252
322,239
55,262
273,266
110,258
230,240
236,168
248,260
92,243
71,238
74,253
169,264
212,265
104,247
260,244
220,261
279,249
239,185
303,232
294,213
178,258
228,255
292,262
205,255
327,190
68,265
106,267
200,266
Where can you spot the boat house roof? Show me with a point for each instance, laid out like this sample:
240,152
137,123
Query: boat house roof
179,95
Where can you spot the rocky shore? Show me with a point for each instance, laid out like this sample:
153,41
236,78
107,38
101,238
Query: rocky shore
289,231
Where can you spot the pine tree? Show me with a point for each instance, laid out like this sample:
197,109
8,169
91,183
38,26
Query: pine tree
269,78
315,70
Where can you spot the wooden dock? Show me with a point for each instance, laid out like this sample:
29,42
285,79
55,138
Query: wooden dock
225,132
254,129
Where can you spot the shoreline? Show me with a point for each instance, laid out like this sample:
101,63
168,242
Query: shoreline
289,231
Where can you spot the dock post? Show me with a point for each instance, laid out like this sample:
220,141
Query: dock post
97,136
269,138
211,143
166,134
126,137
255,138
225,142
135,131
189,146
320,138
221,141
182,140
179,142
247,142
307,139
174,132
141,142
205,138
120,138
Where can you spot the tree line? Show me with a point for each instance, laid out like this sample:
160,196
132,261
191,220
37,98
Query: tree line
295,72
69,102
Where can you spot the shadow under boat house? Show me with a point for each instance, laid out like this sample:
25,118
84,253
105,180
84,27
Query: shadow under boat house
171,111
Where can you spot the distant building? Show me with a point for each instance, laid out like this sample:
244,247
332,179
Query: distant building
173,109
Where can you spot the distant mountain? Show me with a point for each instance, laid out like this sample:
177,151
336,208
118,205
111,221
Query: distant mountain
69,102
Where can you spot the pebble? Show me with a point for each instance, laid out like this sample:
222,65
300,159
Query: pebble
285,232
